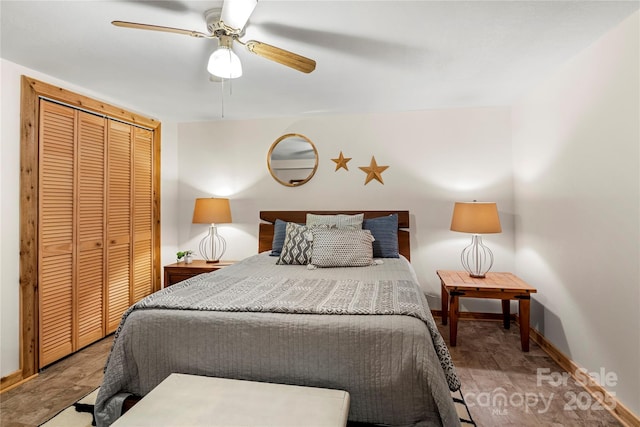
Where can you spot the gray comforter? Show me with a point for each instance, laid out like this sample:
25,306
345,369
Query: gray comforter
367,330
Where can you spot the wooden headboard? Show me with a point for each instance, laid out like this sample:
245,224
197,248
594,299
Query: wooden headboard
265,233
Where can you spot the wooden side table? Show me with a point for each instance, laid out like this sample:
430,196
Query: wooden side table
180,271
502,286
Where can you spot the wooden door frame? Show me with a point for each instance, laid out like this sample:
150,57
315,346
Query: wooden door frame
31,91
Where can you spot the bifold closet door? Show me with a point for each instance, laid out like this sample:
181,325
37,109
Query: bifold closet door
71,212
142,284
90,225
56,231
95,226
119,210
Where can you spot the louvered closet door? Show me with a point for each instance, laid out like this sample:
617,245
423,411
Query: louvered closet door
90,228
56,231
96,226
118,221
142,219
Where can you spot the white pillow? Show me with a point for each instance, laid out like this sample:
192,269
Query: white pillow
353,222
333,247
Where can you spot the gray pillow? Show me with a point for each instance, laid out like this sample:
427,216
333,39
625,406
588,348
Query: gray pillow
336,221
335,247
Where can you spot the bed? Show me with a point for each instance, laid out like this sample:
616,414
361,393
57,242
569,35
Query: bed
367,329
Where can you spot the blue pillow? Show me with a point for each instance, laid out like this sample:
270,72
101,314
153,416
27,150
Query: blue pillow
279,233
385,231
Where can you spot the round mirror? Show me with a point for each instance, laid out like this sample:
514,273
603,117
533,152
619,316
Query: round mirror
292,159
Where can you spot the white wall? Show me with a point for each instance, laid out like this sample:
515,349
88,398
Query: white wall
576,145
10,74
434,158
168,193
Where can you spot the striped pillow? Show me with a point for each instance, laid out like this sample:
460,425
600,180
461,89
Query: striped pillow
341,247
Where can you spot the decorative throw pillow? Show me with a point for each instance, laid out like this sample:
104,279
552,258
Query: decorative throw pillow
296,249
279,233
385,231
336,221
334,247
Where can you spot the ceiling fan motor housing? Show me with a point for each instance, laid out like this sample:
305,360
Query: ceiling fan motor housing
216,26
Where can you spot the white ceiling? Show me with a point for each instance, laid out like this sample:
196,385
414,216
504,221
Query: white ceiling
372,56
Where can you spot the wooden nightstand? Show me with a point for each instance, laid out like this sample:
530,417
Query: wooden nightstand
503,286
180,271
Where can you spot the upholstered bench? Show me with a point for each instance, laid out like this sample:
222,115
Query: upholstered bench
191,400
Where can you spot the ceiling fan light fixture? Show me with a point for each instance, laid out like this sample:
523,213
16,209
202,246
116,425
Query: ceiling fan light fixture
224,63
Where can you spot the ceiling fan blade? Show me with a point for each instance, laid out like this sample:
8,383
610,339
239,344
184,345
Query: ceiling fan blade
284,57
163,29
236,13
173,6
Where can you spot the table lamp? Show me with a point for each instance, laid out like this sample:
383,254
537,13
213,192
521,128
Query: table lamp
476,218
212,211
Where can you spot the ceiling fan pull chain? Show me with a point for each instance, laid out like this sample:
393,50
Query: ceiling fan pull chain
230,84
222,99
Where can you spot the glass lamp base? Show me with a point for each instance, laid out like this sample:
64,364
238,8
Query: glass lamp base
477,259
212,246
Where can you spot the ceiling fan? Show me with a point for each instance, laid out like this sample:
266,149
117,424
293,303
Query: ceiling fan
227,24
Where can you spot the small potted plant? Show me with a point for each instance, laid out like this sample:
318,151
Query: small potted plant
187,255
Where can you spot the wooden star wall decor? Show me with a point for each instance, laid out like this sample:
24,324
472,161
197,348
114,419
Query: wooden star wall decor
373,171
341,161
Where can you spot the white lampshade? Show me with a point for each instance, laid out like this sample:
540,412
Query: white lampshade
224,63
